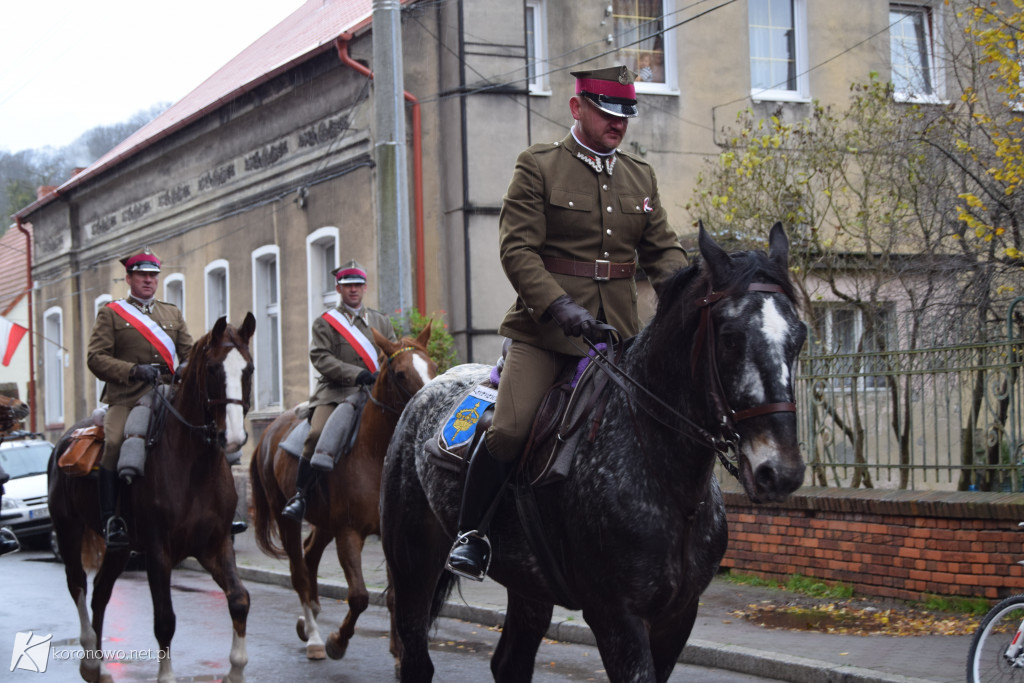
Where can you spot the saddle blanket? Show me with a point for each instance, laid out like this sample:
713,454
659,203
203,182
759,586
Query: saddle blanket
460,426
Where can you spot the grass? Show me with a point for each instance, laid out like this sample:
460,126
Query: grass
816,588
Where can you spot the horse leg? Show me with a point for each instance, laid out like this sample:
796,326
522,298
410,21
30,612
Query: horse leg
526,622
158,572
350,554
69,542
225,573
92,667
623,643
313,551
668,639
306,626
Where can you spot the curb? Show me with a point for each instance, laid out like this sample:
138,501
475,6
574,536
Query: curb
697,652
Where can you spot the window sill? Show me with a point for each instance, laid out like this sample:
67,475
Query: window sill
540,93
779,96
655,89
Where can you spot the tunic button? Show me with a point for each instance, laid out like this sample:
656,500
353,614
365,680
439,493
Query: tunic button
604,187
606,254
637,208
571,204
609,231
609,209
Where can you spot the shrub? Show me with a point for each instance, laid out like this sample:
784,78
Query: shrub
441,346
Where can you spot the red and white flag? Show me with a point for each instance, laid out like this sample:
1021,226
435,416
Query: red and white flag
10,336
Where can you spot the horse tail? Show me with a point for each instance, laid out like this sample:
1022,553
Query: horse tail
442,592
263,519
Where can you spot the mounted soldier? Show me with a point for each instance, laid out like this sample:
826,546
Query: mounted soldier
344,353
136,343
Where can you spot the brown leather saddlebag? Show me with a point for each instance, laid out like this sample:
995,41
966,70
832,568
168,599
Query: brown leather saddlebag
83,453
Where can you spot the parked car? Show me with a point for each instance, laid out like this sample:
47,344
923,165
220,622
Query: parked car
24,456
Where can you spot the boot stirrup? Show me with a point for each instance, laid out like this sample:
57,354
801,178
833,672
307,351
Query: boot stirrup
463,539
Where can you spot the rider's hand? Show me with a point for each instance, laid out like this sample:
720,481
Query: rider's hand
366,378
571,317
144,373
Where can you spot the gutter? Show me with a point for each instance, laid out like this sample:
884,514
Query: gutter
417,167
31,326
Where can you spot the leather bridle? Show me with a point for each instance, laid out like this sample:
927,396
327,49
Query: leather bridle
406,394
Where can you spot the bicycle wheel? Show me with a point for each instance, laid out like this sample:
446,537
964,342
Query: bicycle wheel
986,660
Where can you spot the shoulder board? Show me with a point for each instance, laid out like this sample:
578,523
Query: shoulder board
633,157
541,147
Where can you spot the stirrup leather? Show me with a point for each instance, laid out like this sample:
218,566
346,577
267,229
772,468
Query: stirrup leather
464,539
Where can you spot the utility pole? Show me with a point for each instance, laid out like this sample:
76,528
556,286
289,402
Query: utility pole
394,264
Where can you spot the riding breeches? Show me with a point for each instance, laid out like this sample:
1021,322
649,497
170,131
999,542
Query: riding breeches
113,435
316,426
527,375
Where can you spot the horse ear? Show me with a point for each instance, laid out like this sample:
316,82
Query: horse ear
716,257
218,328
778,246
383,342
248,327
424,336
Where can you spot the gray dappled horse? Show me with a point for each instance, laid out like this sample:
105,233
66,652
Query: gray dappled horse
638,527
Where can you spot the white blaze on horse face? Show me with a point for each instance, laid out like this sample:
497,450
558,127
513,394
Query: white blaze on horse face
422,367
234,419
776,333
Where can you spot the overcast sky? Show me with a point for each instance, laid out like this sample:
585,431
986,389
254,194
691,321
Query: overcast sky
70,65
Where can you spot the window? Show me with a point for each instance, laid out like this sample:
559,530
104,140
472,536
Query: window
912,52
844,333
537,46
267,304
778,50
100,301
217,287
174,291
644,44
321,259
53,365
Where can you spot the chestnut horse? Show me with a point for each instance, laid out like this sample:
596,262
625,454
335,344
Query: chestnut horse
12,412
182,506
346,509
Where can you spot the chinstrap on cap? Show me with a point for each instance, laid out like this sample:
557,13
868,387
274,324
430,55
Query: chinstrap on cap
350,274
145,262
610,89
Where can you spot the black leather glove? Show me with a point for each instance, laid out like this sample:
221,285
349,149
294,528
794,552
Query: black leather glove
144,373
366,378
574,320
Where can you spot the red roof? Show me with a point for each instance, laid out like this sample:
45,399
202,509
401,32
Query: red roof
306,32
13,270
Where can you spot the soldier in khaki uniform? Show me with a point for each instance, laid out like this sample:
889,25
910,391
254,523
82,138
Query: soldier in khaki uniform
345,355
577,219
121,355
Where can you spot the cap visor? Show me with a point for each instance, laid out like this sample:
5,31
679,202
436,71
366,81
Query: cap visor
626,111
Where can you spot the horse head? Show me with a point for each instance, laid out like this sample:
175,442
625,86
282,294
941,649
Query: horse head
406,366
750,328
219,374
12,411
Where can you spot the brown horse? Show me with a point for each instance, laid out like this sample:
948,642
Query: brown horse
181,507
346,509
12,412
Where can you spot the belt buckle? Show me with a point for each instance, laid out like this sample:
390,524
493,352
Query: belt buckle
607,270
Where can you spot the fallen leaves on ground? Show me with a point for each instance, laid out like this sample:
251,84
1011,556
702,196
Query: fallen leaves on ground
848,618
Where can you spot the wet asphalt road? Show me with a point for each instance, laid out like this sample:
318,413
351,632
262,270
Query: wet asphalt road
35,598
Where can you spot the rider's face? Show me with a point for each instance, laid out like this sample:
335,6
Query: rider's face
142,284
352,294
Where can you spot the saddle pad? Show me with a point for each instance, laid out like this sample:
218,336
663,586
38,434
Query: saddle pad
460,426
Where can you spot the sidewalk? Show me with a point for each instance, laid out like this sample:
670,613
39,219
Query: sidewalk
719,639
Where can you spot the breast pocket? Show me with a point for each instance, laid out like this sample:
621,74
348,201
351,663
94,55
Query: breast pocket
572,200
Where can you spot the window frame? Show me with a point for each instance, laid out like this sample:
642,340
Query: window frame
537,59
824,312
177,279
801,62
932,19
97,304
317,258
54,362
670,86
267,350
213,268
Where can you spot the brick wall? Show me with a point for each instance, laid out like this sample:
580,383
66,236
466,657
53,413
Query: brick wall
898,544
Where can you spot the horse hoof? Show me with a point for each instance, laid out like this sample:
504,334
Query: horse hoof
316,652
335,648
90,674
300,629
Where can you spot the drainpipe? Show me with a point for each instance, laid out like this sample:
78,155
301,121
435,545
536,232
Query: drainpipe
417,168
31,326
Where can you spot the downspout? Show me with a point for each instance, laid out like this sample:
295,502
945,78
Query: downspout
342,42
31,326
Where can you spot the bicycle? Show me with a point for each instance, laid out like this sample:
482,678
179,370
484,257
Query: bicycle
997,649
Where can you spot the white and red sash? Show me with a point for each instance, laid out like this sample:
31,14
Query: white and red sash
363,346
148,328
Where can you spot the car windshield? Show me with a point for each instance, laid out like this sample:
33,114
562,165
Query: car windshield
24,460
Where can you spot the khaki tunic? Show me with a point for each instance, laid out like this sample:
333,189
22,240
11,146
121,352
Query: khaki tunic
557,205
336,360
115,346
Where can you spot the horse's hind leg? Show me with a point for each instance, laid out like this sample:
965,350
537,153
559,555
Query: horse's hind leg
526,622
302,582
69,542
224,571
350,554
158,572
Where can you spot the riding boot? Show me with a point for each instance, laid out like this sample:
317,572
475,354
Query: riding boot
8,541
115,531
470,556
304,478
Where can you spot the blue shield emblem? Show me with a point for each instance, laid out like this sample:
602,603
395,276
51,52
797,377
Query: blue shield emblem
461,424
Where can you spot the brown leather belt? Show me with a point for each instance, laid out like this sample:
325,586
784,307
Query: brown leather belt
598,270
